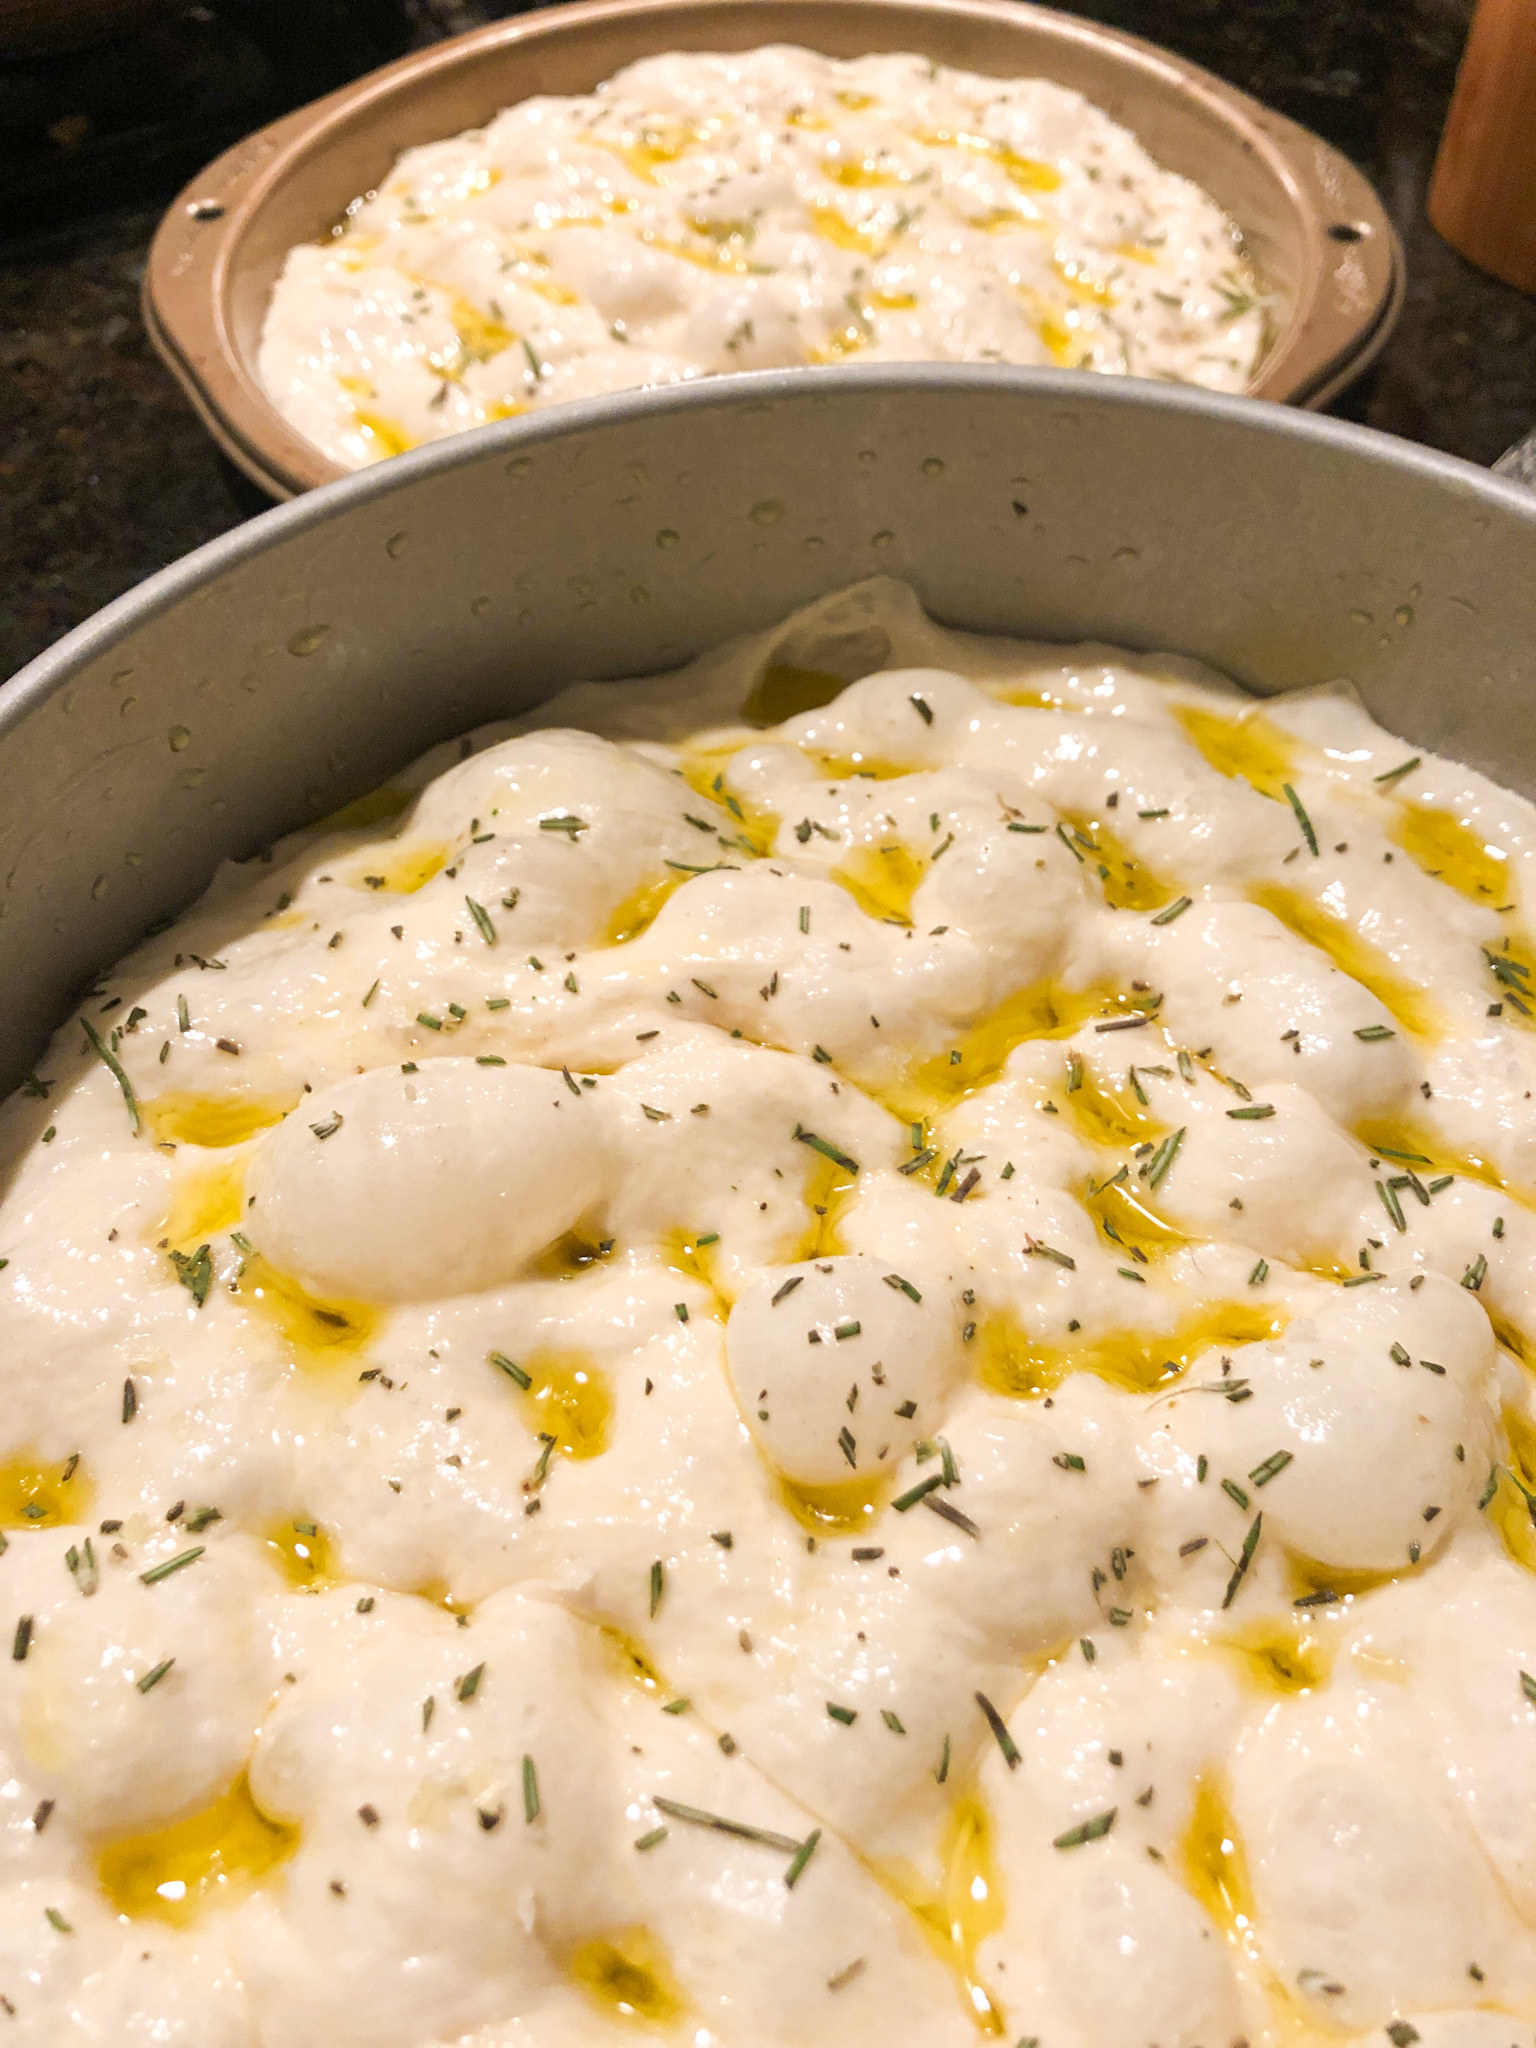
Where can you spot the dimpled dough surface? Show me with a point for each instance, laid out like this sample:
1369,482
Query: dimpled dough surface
771,208
833,1353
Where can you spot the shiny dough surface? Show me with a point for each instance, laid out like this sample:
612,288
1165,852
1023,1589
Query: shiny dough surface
830,1350
701,213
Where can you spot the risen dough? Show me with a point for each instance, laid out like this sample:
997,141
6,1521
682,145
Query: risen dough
796,1385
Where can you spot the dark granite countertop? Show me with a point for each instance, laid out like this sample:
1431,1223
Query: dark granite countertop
105,474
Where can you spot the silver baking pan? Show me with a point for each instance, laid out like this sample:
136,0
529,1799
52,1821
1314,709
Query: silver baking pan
294,663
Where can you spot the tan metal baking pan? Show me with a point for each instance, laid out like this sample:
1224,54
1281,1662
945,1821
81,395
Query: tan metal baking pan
1317,235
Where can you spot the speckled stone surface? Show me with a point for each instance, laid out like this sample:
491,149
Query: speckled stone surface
106,475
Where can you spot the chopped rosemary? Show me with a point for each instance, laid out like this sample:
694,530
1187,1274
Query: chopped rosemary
1510,974
1392,1203
914,1494
195,1272
807,1848
482,919
952,1514
82,1568
172,1564
826,1149
1175,909
1245,1558
1163,1158
696,1817
999,1727
1301,816
531,1806
152,1678
513,1372
115,1068
1086,1831
1270,1467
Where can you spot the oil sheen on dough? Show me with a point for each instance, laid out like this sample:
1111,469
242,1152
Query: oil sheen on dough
700,213
829,1351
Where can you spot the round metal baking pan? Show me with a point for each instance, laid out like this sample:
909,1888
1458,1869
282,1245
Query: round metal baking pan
297,661
1316,233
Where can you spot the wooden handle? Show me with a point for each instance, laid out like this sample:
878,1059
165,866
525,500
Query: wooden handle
1483,196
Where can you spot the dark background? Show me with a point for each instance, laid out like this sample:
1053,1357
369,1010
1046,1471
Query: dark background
106,475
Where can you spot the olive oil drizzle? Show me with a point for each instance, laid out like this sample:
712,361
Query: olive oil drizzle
211,1858
1009,1360
628,1973
964,1910
40,1494
1249,747
1415,1008
1451,851
317,1333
